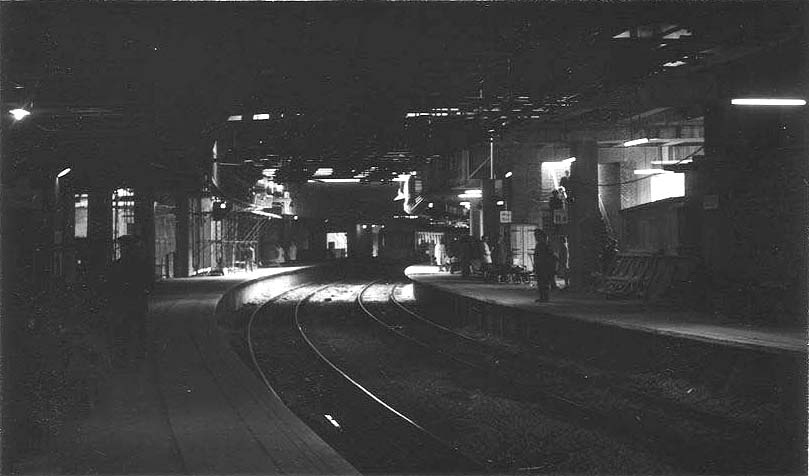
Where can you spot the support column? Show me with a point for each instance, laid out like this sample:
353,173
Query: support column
65,221
99,231
145,222
491,215
182,255
584,213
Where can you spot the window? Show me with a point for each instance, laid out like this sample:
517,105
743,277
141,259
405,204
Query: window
667,186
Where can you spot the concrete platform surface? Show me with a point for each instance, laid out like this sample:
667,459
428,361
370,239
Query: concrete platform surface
193,407
628,314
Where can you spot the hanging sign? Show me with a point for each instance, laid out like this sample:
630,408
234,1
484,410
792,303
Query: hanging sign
505,216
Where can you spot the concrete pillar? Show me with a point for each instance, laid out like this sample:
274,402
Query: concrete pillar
584,213
491,213
64,256
145,222
99,231
526,186
182,253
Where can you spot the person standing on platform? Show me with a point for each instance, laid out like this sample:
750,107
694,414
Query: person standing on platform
544,265
485,256
440,253
130,279
292,251
563,267
279,254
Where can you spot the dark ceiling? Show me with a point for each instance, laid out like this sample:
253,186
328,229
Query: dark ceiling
165,77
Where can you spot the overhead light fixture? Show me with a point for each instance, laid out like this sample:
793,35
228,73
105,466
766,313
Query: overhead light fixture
652,171
324,172
430,205
673,64
465,204
63,172
500,203
235,118
508,174
767,102
672,162
19,114
336,180
630,143
475,193
261,117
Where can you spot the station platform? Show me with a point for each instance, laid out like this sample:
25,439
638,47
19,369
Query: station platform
192,407
634,315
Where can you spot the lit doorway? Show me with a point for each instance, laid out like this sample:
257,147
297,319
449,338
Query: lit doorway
337,244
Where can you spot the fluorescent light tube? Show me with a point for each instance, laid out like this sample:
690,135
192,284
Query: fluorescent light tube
767,102
630,143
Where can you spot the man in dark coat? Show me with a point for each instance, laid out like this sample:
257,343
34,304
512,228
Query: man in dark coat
129,281
544,265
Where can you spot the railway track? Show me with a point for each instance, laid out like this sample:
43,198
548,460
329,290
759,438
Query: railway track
368,406
659,423
371,433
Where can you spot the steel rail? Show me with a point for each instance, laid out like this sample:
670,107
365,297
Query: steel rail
364,390
419,342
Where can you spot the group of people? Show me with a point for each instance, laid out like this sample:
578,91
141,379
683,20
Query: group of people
549,264
464,254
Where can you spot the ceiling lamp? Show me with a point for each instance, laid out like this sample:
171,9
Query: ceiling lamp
261,117
630,143
336,180
324,172
235,118
19,114
63,172
767,102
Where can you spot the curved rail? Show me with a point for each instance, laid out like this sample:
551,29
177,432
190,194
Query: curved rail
249,336
364,390
395,330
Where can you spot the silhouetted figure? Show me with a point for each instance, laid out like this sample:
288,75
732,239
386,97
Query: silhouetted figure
555,201
544,265
292,251
454,251
563,267
129,281
465,256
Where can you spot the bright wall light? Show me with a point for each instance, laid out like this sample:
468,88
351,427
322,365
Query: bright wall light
500,203
261,117
652,171
767,102
19,114
235,118
465,204
63,172
509,174
630,143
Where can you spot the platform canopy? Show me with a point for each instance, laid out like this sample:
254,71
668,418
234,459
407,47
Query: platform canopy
144,88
